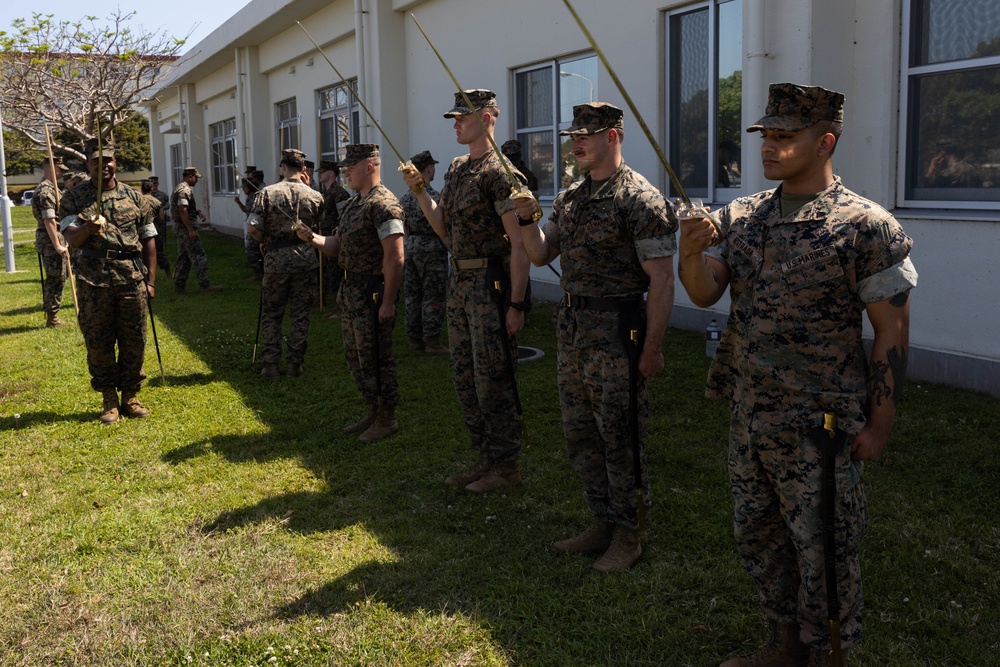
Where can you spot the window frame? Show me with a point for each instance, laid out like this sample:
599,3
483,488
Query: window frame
223,147
289,124
554,65
909,73
176,164
714,193
353,110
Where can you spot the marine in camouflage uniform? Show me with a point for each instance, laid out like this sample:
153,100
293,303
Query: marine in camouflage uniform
616,239
334,197
155,208
289,264
425,271
161,223
512,150
112,268
190,252
369,243
803,263
50,244
475,215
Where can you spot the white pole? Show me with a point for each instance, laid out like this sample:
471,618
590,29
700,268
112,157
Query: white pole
8,227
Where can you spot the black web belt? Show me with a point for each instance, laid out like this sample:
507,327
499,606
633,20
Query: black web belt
111,254
626,304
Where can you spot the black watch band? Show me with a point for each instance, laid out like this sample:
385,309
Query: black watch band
521,306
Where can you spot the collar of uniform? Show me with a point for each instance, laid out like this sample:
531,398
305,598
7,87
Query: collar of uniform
818,209
605,190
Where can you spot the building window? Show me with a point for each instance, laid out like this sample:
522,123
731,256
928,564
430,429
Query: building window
544,97
951,90
339,120
176,165
223,137
289,122
705,98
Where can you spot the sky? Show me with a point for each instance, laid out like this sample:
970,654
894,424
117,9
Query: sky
175,17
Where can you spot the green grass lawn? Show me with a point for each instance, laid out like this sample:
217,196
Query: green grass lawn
239,526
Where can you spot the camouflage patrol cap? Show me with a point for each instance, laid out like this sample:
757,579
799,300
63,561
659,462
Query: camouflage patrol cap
310,164
422,160
293,157
107,147
595,117
58,163
329,165
792,107
191,171
154,179
359,152
511,147
480,98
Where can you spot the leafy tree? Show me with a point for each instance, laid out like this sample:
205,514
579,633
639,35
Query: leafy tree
132,143
73,76
20,156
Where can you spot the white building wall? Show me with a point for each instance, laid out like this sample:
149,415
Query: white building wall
852,46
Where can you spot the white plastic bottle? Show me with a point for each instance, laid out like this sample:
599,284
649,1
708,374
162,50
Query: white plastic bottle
713,334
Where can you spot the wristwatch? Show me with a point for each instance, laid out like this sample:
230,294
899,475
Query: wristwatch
521,306
535,217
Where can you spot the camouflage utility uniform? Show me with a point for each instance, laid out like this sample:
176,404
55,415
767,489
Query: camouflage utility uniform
189,252
43,207
602,238
110,290
333,200
425,271
792,351
160,221
364,223
289,265
475,194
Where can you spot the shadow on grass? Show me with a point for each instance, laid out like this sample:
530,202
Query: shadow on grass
27,310
21,329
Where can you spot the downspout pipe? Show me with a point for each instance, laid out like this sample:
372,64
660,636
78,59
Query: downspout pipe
359,46
754,88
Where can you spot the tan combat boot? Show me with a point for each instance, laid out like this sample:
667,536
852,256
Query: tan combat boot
434,346
503,473
364,423
293,370
131,407
473,474
784,650
824,658
384,426
270,371
596,537
211,288
623,552
53,320
417,344
109,413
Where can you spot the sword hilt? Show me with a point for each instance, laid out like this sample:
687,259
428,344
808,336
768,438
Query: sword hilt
830,423
409,166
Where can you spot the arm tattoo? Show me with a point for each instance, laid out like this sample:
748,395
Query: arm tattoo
895,365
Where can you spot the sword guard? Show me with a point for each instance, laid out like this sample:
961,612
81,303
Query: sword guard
830,423
409,166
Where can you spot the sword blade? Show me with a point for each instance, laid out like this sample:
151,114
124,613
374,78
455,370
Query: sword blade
515,185
631,105
361,102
